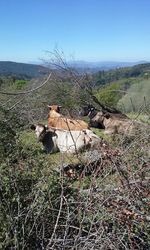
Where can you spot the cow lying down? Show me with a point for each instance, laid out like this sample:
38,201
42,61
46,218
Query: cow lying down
57,140
113,123
57,120
118,124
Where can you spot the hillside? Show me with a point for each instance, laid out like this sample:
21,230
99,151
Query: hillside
97,199
112,69
140,70
21,70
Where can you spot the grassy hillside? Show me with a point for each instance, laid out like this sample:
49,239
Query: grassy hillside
40,205
137,97
21,70
104,77
105,206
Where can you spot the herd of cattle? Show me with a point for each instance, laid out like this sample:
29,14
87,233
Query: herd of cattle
63,134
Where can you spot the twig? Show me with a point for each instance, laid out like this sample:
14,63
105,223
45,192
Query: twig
58,216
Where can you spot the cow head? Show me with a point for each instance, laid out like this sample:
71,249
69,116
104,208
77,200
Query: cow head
40,131
97,121
87,110
46,136
55,108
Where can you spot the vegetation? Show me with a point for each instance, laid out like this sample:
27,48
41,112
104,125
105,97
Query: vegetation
140,70
21,70
137,97
42,206
110,94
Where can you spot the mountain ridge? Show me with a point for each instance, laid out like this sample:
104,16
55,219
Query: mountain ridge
30,70
22,70
105,64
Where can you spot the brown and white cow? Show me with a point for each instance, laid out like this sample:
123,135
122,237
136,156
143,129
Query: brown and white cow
55,140
57,120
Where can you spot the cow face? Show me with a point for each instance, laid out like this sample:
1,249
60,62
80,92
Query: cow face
55,108
97,121
40,131
87,110
46,137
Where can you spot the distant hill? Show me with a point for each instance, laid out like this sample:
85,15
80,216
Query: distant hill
106,65
140,70
21,70
94,67
29,71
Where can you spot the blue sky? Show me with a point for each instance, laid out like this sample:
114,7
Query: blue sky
91,30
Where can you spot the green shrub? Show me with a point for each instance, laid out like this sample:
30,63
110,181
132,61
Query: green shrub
20,83
137,97
40,208
109,94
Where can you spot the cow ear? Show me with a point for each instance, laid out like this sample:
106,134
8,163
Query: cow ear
49,107
58,108
46,127
92,109
33,127
107,115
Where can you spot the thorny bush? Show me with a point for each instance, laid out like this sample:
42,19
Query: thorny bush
109,209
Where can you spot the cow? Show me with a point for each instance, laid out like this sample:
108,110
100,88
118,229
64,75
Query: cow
91,112
58,140
113,123
57,120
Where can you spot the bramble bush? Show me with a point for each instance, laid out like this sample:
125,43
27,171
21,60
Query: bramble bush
43,209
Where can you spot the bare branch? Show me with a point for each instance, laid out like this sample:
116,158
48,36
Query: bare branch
104,107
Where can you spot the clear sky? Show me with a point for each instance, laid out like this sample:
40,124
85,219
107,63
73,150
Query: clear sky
91,30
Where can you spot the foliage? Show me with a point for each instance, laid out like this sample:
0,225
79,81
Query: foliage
20,83
137,97
140,70
41,207
110,94
21,70
8,127
33,201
